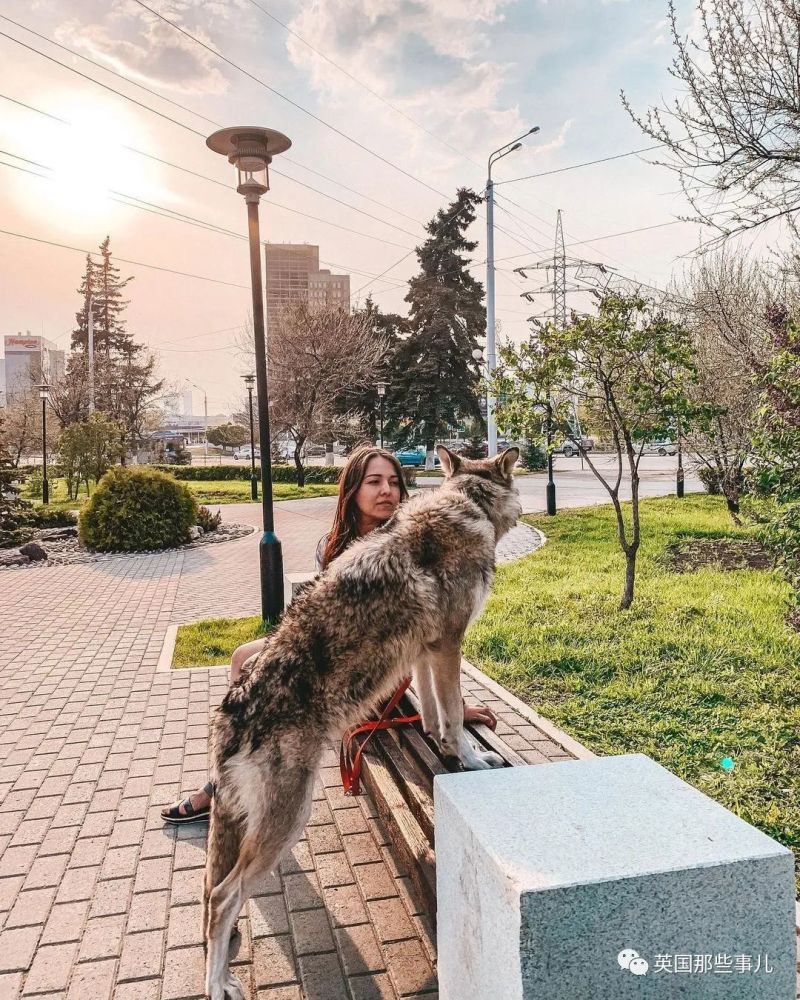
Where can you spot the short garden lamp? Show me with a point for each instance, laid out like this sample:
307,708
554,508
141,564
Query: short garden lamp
250,381
44,395
381,386
250,149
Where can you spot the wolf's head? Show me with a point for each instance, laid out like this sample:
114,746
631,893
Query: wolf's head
489,482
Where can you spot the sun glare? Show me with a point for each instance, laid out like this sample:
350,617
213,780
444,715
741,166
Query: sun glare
88,163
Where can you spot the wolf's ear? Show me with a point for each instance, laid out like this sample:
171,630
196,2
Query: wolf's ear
506,460
450,463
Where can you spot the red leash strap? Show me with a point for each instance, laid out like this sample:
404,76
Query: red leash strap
349,764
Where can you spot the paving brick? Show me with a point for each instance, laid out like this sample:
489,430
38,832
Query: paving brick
273,961
333,869
65,923
311,932
77,883
187,887
409,969
345,906
148,911
102,938
302,891
372,988
190,854
141,955
267,916
51,969
46,871
390,919
361,848
10,985
153,874
185,926
359,950
92,981
184,974
281,993
17,860
31,908
143,989
119,861
375,881
17,947
89,852
111,897
322,977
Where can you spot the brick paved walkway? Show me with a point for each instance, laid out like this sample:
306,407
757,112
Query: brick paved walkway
98,899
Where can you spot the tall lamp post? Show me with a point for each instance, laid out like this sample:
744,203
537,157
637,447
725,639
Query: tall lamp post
679,478
44,395
250,150
381,395
498,154
205,416
249,381
551,485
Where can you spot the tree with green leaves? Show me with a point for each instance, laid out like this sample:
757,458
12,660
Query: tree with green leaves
435,379
629,369
15,514
228,435
88,449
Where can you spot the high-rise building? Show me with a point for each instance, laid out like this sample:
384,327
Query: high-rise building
294,275
27,358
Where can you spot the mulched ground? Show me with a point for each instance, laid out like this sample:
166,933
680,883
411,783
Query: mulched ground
729,554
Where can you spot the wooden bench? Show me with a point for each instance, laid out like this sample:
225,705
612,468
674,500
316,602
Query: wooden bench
398,768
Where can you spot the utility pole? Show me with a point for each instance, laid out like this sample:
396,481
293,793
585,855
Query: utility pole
90,331
498,154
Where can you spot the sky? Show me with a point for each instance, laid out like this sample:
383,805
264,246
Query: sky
391,105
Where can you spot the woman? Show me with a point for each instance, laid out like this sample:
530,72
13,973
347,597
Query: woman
371,488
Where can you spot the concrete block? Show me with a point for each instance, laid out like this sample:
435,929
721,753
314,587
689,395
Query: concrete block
292,582
606,879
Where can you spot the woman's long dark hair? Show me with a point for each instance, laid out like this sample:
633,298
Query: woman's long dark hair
345,520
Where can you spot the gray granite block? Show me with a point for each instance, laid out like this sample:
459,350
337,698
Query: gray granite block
606,879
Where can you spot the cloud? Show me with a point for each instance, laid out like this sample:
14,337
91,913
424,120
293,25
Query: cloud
429,58
135,43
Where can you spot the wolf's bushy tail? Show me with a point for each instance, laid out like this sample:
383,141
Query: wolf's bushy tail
222,852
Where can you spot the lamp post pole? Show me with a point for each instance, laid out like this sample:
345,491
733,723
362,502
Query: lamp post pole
249,381
498,154
551,485
381,396
44,389
679,481
251,150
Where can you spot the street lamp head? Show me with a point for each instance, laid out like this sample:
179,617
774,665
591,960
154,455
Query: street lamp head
477,354
250,149
517,145
381,386
249,380
533,131
44,390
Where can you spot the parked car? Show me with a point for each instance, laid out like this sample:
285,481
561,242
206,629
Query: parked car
244,454
414,457
663,447
569,446
315,449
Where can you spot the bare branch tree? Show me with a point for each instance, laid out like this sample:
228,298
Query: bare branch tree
733,135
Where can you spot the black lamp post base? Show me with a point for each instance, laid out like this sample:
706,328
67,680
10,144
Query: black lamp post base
679,486
551,498
45,491
271,563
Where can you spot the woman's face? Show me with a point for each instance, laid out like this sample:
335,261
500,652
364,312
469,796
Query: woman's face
378,496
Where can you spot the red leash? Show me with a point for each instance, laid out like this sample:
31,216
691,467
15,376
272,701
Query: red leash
350,765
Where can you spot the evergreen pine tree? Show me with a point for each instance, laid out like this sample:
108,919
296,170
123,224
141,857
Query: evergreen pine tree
16,521
436,381
102,283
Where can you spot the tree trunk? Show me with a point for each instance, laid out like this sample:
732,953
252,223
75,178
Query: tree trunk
301,472
630,578
429,464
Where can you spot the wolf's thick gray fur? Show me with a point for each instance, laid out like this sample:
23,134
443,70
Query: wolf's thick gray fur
400,598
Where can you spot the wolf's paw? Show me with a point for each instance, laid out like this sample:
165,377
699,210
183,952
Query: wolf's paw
233,988
483,761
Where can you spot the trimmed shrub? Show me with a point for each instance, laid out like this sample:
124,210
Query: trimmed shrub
280,473
53,517
208,521
137,509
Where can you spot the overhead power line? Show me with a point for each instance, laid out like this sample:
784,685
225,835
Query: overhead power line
122,260
321,121
187,110
576,166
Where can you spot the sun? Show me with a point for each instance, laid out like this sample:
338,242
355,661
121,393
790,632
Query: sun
88,162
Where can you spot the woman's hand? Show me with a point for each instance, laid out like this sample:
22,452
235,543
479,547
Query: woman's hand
481,714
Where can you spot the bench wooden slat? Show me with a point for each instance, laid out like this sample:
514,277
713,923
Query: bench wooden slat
411,783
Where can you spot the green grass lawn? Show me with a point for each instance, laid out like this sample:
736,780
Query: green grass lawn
211,642
214,491
702,667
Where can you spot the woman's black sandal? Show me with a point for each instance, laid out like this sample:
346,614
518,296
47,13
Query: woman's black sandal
173,814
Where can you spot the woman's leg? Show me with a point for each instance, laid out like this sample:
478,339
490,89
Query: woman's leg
200,801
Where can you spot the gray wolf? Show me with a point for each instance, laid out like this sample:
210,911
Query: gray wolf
401,596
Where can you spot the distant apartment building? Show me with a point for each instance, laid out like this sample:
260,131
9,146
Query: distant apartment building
27,357
294,275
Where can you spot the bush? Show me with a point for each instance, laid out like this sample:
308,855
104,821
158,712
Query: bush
710,480
781,534
53,517
208,521
280,473
136,509
533,457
